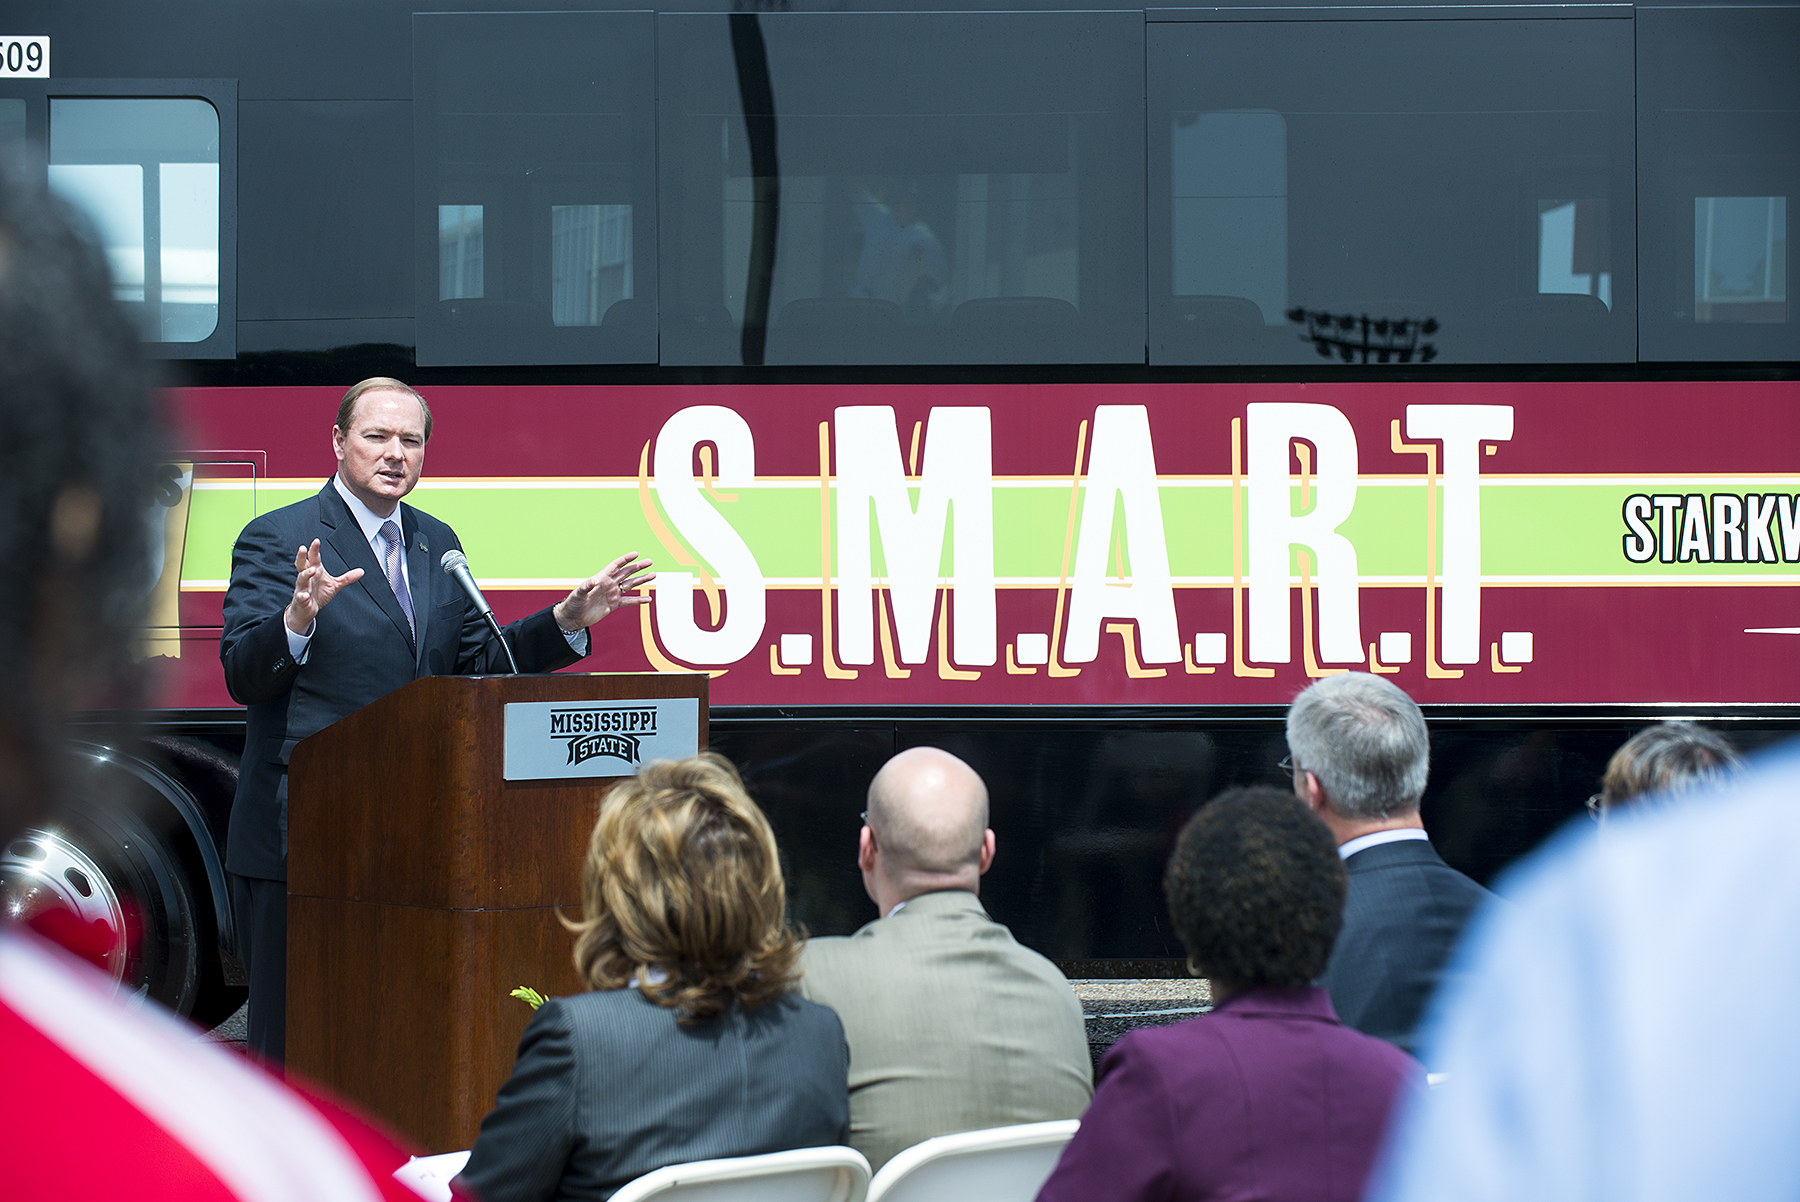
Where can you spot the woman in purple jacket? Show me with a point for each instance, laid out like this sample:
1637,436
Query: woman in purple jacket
1268,1096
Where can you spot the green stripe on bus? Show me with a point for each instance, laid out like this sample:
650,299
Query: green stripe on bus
1550,529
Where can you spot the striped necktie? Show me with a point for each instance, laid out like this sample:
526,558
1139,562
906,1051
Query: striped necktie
390,533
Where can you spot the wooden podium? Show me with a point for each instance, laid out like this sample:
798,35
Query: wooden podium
423,886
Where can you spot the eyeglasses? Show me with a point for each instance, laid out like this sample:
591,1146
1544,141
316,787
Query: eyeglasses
1596,807
1287,766
865,817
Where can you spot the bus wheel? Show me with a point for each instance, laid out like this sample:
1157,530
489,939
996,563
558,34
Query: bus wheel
111,889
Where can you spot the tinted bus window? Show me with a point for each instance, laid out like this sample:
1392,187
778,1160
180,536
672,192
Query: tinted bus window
944,187
1464,183
146,174
1719,128
536,189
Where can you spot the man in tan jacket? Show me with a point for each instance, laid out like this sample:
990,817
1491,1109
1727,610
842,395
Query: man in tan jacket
953,1026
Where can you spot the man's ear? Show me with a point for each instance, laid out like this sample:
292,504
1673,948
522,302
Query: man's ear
865,850
1311,792
987,852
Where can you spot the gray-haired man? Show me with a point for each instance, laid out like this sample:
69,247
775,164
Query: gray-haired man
1360,756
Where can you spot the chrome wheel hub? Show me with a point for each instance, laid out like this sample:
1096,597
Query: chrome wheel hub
42,872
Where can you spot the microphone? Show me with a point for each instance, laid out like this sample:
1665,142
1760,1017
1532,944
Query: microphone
456,566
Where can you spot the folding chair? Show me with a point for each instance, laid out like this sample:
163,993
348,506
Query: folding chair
802,1175
1002,1164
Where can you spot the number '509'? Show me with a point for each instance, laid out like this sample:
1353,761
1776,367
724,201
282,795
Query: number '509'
24,56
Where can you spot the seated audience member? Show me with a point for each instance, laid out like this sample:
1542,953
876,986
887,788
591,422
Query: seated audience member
1582,1064
952,1025
691,1045
114,1100
1672,756
1360,756
1268,1096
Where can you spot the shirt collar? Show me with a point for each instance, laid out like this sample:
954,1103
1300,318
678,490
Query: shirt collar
1377,838
366,518
1305,1001
939,901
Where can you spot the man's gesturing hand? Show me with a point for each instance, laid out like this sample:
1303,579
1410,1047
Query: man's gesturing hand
314,588
604,591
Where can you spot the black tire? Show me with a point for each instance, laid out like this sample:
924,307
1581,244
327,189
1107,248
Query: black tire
218,1001
115,851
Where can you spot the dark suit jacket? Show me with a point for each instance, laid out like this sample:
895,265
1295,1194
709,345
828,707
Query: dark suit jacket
360,649
1267,1097
609,1087
1405,910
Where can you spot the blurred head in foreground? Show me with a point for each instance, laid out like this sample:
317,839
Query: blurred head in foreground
682,893
77,443
1671,756
1256,890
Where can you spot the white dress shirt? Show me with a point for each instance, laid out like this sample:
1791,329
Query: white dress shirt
1377,838
371,523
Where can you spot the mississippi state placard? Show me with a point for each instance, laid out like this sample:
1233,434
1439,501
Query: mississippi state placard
556,740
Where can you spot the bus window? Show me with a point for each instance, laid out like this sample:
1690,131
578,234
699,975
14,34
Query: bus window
930,188
459,252
1740,259
1229,212
590,254
1477,173
1574,249
146,174
1719,128
536,143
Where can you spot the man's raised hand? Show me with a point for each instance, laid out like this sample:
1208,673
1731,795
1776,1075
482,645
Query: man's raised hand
606,590
314,588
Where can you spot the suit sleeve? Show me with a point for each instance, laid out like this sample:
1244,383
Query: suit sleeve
526,1139
537,642
253,645
1125,1149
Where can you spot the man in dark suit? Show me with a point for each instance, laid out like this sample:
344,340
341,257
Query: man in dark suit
357,610
1359,754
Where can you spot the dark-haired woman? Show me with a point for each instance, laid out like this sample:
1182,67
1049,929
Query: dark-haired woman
691,1045
1268,1096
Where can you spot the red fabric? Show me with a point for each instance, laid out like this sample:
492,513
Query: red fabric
380,1151
72,1136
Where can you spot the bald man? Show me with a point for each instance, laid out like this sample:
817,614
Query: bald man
953,1026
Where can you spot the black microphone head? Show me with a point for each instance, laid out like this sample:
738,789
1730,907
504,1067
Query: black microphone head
452,560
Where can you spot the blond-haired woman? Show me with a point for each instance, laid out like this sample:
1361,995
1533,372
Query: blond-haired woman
690,1045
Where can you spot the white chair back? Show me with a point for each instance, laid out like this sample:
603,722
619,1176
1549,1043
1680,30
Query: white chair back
1002,1164
802,1175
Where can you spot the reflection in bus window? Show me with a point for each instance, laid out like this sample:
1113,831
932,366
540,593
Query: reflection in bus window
146,173
925,244
1740,258
111,195
590,261
944,188
1406,170
459,252
1228,173
1574,249
189,205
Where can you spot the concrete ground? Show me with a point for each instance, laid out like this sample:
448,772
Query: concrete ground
1117,1005
234,1031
